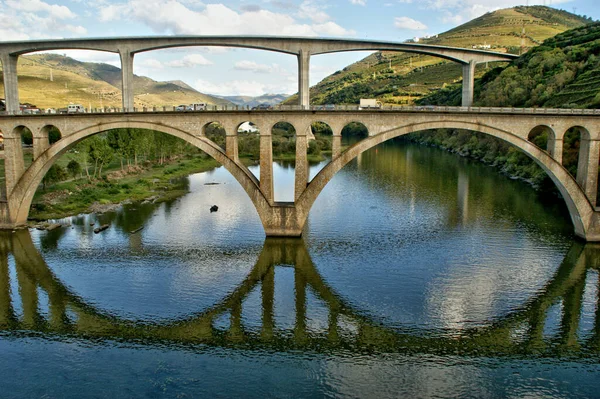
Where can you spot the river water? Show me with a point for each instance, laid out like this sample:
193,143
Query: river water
420,274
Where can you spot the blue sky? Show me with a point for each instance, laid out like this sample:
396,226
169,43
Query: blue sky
237,71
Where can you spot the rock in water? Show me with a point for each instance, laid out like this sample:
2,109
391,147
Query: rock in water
101,228
214,208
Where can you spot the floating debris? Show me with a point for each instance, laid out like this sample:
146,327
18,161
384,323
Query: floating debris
101,228
214,208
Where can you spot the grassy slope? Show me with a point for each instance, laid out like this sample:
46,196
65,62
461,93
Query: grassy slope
412,76
562,72
93,83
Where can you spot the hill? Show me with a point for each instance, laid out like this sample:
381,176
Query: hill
53,80
562,72
271,99
401,78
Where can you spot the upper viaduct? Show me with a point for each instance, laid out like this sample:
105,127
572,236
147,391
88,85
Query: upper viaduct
514,126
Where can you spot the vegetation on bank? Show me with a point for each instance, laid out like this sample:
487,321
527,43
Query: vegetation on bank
136,164
563,72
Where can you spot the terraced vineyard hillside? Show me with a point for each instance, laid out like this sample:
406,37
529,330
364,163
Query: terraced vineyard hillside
402,78
562,72
52,80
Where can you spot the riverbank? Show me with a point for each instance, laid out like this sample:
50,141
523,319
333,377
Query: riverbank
154,182
135,184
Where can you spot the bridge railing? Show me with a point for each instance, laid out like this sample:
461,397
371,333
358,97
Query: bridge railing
326,107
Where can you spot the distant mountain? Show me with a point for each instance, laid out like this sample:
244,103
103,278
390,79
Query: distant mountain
53,80
401,78
271,99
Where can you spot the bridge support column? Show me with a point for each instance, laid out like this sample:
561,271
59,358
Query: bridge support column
40,143
11,86
336,146
231,146
587,168
555,148
127,79
301,180
13,161
468,83
304,79
266,167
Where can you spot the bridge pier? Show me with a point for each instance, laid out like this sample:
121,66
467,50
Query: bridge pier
11,86
301,180
266,166
127,79
468,84
587,168
304,78
336,145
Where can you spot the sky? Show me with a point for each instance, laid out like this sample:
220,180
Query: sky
227,71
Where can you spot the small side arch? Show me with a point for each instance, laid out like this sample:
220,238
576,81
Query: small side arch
580,209
22,194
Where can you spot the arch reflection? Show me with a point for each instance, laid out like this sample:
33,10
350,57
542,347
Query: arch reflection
523,332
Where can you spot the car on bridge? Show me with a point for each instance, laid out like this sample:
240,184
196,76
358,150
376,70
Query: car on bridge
181,108
262,107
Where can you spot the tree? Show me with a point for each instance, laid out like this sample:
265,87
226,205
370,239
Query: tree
74,168
55,174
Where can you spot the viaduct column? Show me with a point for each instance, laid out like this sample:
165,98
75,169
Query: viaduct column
587,168
266,165
127,79
301,178
11,87
303,78
468,83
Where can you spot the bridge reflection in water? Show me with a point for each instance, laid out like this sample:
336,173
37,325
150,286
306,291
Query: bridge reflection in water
522,332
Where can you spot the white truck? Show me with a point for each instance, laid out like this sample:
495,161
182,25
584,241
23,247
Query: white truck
197,107
75,109
369,103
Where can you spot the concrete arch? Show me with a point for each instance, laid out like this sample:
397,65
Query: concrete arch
583,131
580,209
22,194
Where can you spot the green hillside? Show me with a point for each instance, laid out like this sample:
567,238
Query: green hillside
562,72
53,80
402,78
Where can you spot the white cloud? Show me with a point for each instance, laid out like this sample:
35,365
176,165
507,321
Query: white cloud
28,19
174,17
254,67
310,9
243,88
359,2
37,6
408,23
189,60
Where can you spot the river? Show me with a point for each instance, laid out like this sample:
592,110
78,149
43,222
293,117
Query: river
420,274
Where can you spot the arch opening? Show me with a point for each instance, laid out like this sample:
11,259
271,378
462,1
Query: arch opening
575,199
542,137
248,134
215,132
52,132
33,176
26,144
353,133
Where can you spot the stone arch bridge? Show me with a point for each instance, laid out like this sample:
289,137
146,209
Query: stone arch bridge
514,126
